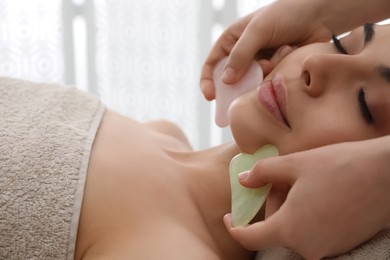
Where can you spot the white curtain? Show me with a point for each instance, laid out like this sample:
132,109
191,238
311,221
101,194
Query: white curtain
141,57
31,39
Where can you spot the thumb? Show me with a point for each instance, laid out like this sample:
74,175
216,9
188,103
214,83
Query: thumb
271,170
257,236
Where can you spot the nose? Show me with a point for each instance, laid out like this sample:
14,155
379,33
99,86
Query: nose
321,71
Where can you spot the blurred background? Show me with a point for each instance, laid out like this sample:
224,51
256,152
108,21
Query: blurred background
141,57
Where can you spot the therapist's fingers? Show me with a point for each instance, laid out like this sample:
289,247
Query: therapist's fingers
276,24
221,49
276,198
245,50
263,33
269,64
257,236
278,169
281,53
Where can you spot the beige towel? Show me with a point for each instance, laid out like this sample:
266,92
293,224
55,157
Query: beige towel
378,248
46,135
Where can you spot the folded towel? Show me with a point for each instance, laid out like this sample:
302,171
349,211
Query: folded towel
46,135
377,248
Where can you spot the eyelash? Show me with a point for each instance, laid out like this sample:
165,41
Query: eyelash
338,45
361,96
364,108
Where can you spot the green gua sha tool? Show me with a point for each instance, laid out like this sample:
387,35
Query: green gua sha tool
247,202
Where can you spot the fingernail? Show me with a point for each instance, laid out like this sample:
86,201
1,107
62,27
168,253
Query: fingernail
243,176
228,75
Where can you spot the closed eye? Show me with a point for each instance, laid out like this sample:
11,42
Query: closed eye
364,108
338,45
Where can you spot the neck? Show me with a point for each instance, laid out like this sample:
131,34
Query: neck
207,176
213,160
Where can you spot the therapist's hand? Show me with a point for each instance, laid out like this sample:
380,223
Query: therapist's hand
270,27
339,198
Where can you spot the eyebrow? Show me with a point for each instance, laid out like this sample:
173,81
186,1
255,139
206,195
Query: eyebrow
384,72
368,32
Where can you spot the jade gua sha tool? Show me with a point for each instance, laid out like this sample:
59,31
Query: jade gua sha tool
247,202
225,94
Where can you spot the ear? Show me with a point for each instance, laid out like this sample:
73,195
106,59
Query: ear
269,64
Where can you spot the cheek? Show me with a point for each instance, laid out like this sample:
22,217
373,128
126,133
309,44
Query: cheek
325,128
379,104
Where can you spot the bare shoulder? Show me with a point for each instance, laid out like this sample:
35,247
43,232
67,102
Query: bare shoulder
170,129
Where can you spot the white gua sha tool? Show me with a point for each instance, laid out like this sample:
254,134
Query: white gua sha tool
225,94
247,202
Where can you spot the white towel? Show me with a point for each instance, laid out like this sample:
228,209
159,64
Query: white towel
46,135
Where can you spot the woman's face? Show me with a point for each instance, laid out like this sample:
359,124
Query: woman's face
318,96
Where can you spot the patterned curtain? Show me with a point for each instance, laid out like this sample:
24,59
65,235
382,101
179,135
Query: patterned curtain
142,57
31,40
147,59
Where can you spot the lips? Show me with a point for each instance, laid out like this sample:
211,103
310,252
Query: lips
272,96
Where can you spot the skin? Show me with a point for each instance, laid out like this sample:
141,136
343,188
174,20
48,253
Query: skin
148,195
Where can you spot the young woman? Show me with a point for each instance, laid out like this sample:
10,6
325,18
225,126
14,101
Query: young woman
301,22
147,195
